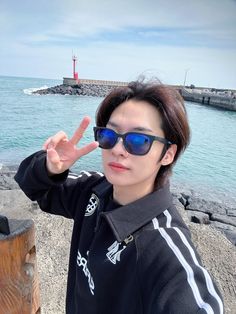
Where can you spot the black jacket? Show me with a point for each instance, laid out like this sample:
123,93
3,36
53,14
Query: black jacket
135,259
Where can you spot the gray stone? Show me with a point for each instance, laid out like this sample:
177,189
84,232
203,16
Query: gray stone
228,230
231,235
198,217
209,207
223,226
224,219
183,200
231,212
7,181
81,89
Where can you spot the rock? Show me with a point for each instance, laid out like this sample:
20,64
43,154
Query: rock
223,226
231,212
7,181
81,89
231,235
209,207
183,201
224,219
186,198
228,230
198,217
182,211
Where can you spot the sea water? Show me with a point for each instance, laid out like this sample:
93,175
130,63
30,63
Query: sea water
208,166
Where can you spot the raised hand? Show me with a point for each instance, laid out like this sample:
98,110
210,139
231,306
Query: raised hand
62,152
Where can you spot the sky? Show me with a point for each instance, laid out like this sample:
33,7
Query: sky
191,41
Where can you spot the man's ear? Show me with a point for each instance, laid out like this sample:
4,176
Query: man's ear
169,155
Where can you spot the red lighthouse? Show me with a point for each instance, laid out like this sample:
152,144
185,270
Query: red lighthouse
75,74
72,81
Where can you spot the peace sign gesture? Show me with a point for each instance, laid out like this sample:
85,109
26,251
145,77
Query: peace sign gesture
62,152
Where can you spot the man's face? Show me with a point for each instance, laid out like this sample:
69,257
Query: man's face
120,167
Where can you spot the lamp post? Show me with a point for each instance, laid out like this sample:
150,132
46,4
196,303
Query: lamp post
185,76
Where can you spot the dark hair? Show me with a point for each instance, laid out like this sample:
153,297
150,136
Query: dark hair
170,106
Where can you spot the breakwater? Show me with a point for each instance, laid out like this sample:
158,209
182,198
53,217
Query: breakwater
208,98
100,88
84,87
78,90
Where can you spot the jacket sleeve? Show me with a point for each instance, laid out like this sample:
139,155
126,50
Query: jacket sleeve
172,278
59,194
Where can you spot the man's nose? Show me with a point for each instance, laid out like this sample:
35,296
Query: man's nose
119,148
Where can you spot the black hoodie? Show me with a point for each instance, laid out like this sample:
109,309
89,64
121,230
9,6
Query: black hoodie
133,259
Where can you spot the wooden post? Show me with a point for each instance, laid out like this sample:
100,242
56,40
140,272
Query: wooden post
19,284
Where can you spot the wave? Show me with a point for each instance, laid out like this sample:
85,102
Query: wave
30,91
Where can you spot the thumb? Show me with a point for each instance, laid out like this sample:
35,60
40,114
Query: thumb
52,156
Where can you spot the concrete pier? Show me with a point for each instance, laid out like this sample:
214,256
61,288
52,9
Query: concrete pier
213,99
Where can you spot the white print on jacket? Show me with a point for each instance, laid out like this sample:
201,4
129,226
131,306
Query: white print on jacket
92,205
114,252
82,262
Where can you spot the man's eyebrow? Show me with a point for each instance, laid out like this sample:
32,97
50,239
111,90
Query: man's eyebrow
112,124
138,128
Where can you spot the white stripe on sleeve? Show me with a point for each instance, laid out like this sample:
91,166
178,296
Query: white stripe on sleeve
186,266
86,173
209,282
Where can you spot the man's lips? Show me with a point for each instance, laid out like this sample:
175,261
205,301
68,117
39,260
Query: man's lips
117,166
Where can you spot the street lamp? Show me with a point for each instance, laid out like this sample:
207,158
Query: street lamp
185,76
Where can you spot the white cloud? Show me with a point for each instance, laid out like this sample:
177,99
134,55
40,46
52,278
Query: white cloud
83,18
38,41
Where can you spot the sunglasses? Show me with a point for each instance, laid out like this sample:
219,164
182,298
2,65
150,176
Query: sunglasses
135,143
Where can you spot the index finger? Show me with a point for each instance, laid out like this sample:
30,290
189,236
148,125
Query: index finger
80,131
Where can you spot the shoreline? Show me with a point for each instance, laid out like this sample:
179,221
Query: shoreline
199,209
209,193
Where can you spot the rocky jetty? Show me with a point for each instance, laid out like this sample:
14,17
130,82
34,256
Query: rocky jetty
53,234
218,215
96,90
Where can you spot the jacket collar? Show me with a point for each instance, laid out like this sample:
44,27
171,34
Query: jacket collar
127,219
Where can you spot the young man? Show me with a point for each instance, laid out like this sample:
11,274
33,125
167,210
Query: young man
130,250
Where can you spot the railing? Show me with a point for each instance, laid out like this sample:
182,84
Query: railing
72,81
102,82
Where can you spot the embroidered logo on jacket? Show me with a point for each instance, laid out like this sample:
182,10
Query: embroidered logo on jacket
115,250
82,262
92,205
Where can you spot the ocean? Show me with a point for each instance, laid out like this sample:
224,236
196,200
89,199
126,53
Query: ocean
208,167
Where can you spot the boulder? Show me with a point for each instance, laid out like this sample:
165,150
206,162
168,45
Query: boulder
7,181
198,217
224,219
231,212
231,235
223,226
202,205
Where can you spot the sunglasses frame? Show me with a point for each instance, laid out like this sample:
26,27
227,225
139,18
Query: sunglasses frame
152,138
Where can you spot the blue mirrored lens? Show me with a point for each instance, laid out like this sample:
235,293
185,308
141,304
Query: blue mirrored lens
106,138
137,144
